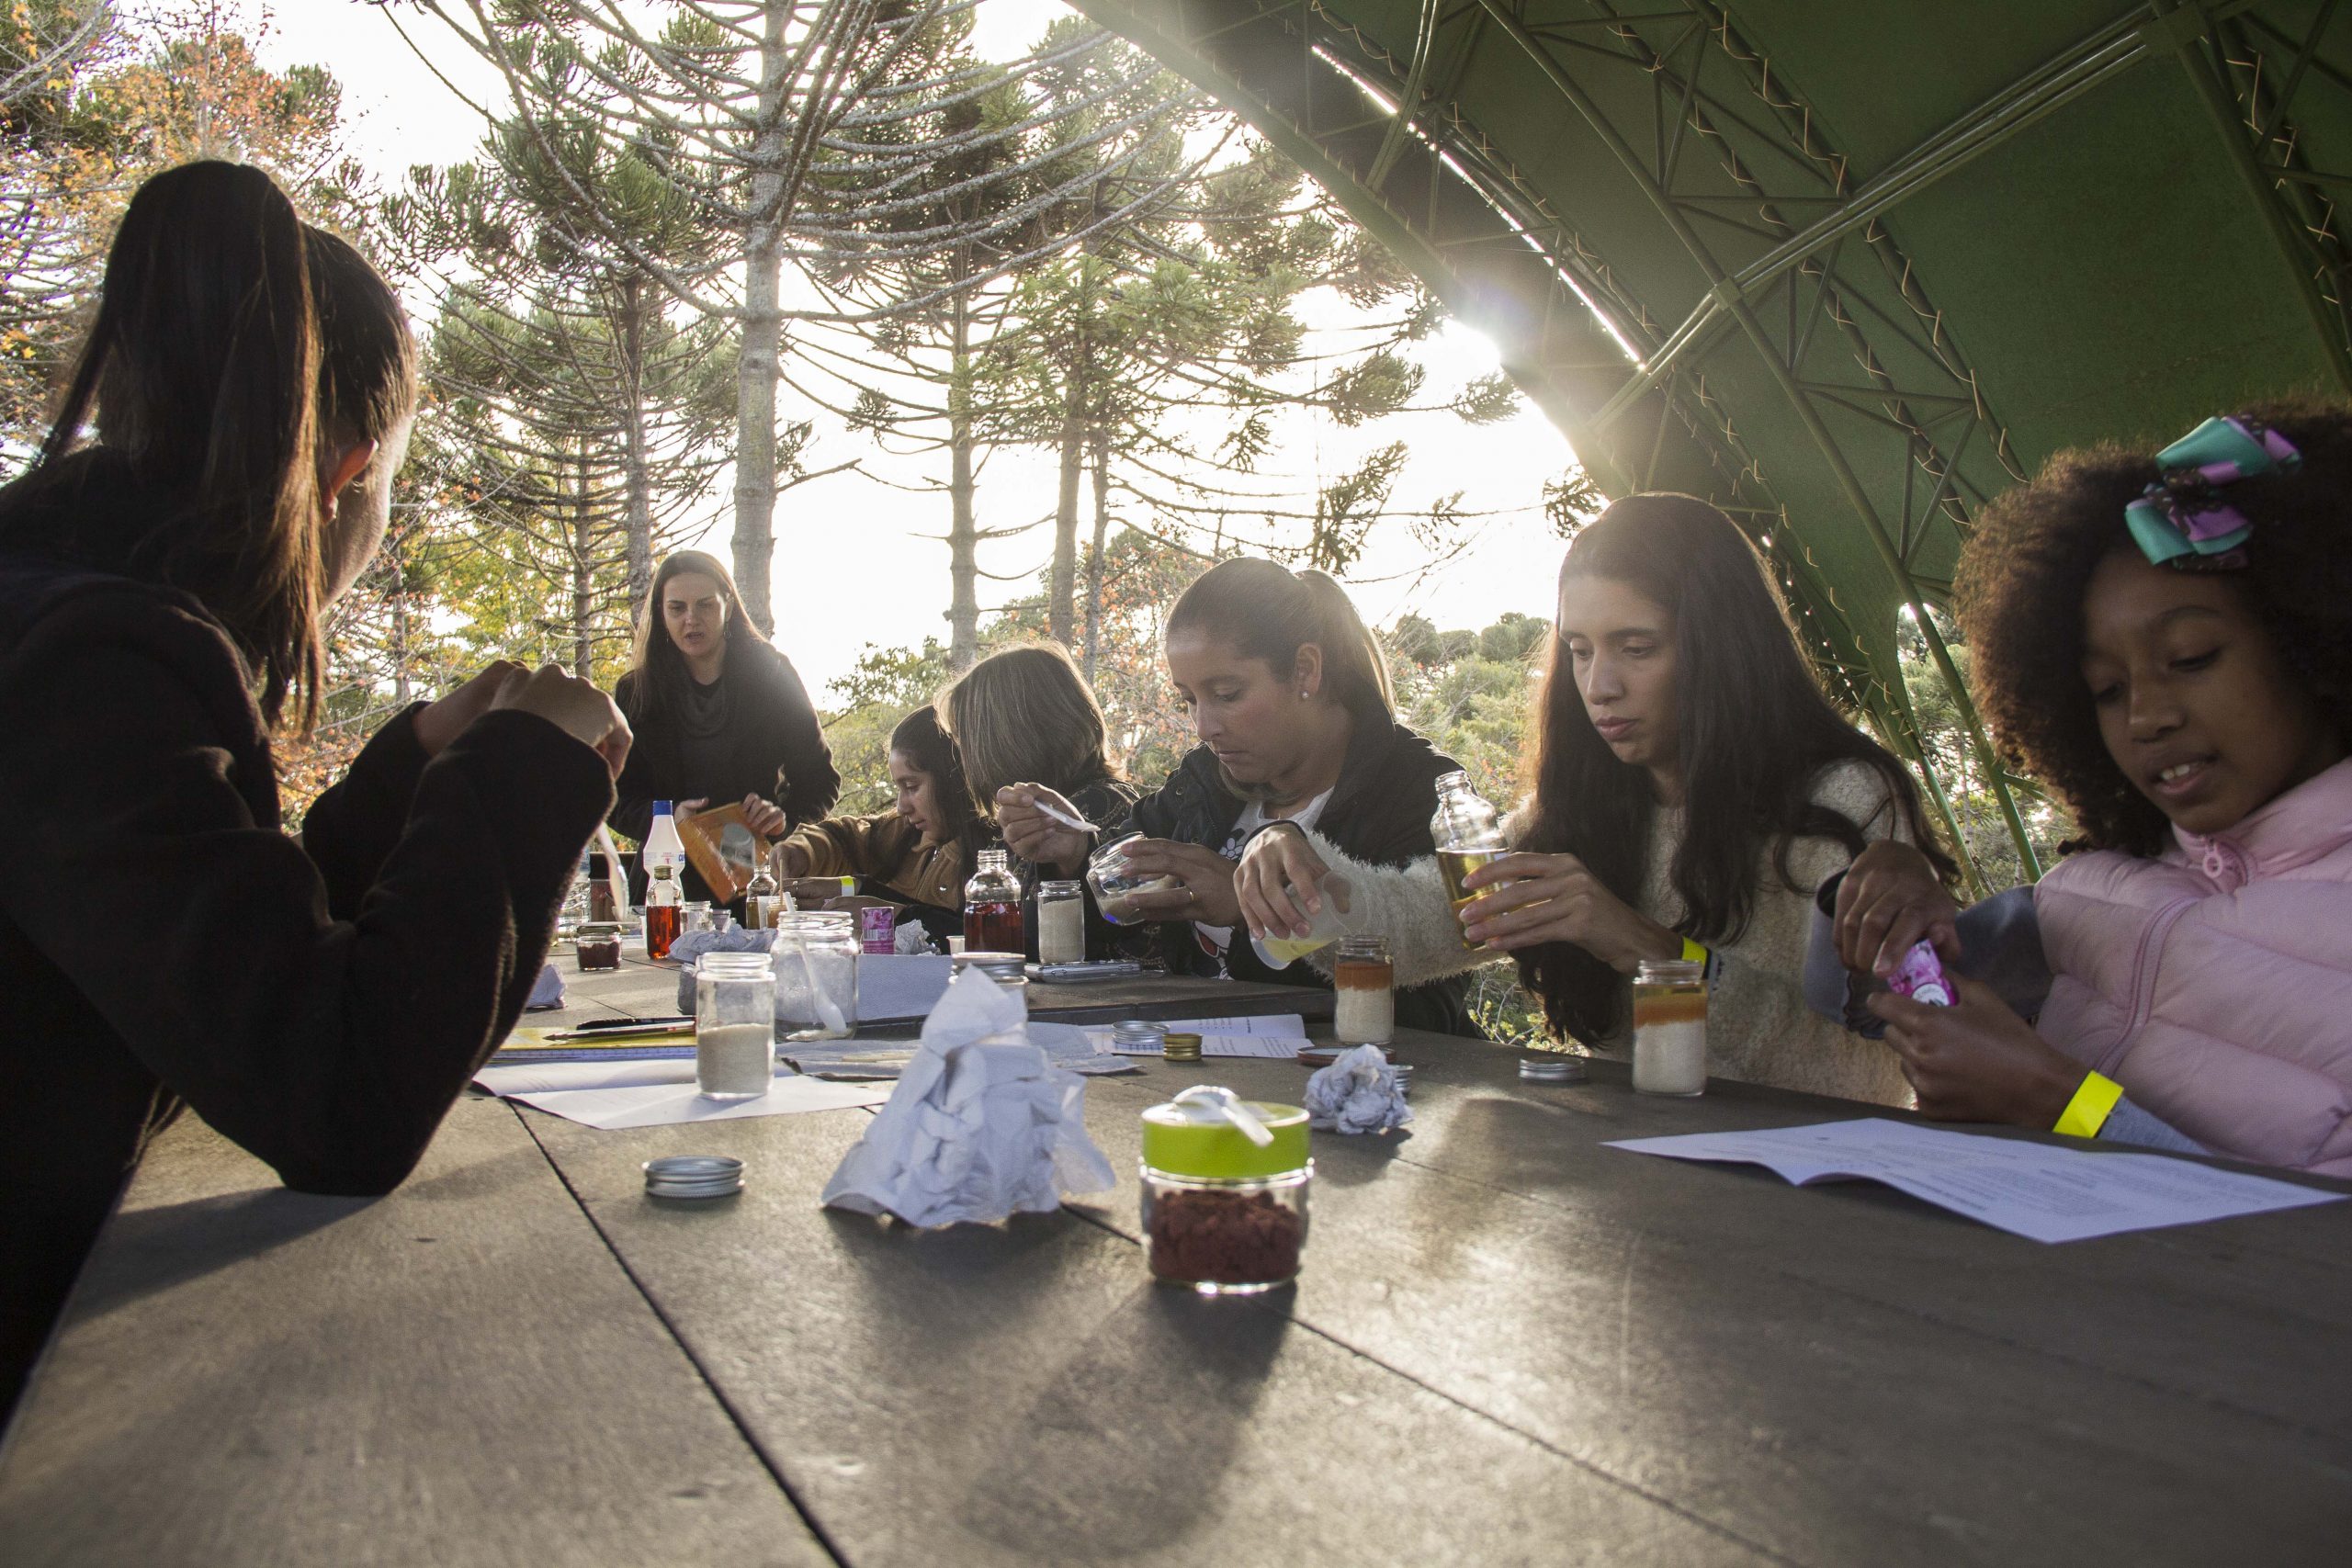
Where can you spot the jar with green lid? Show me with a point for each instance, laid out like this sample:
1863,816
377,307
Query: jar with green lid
1224,1183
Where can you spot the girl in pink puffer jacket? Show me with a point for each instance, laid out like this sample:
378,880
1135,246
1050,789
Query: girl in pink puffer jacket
2166,643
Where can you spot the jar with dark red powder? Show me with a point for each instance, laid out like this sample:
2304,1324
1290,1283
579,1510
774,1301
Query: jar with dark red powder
1225,1184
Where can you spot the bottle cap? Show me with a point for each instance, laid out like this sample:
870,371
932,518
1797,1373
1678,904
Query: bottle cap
1180,1047
1189,1138
662,808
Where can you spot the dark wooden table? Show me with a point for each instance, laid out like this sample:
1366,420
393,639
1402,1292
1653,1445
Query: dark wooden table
1510,1345
638,988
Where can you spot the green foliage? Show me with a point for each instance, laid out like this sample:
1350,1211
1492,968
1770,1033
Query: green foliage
885,685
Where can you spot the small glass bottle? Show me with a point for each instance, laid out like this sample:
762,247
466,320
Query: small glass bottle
734,1025
1671,1027
760,899
993,920
1222,1213
663,909
1468,833
1365,979
1061,922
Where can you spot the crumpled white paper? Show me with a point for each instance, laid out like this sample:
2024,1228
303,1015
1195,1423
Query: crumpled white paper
1357,1093
980,1126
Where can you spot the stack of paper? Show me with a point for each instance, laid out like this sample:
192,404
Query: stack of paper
2046,1191
1280,1035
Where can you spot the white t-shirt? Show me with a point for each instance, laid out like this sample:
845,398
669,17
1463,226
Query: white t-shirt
1245,826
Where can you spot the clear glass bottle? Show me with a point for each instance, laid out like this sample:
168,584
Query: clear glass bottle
993,920
1223,1215
1365,979
1671,1027
1468,833
734,1025
1061,922
816,974
761,900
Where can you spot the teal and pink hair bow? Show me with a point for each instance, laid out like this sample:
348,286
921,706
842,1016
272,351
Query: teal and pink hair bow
2183,520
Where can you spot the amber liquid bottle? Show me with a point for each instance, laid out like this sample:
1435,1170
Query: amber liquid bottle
992,921
1468,834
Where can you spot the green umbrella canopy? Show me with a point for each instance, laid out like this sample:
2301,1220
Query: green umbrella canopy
1846,267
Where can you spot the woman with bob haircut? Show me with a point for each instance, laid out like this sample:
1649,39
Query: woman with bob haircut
719,714
1289,693
1025,715
320,1000
1692,788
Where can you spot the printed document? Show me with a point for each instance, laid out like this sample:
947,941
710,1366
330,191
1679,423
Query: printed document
2040,1191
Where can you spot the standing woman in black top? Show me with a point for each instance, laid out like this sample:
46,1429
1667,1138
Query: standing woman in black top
320,1000
720,716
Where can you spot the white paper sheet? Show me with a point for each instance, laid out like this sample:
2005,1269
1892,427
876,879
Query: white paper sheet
1068,1046
2040,1191
1275,1036
653,1094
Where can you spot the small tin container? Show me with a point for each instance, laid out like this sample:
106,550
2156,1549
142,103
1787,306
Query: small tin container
1180,1047
1138,1037
694,1177
1222,1212
1552,1066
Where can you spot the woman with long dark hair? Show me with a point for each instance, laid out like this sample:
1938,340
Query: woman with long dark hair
720,715
320,1000
1289,693
920,854
1692,788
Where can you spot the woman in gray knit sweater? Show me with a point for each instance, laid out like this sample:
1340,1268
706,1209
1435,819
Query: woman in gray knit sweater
1691,786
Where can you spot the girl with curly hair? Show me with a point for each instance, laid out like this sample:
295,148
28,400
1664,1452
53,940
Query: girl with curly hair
1691,787
2166,640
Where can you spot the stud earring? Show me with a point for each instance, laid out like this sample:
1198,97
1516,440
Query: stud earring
1302,697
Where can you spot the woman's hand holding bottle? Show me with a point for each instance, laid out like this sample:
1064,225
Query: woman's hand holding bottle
573,706
1279,883
1525,899
1889,902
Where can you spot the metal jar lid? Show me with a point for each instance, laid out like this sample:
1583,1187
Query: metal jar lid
693,1176
1180,1047
1550,1068
1141,1034
1004,968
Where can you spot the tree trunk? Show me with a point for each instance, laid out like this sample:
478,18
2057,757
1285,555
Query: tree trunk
1059,588
1101,444
963,528
639,477
583,578
763,331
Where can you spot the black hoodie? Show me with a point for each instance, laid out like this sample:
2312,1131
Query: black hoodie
319,1000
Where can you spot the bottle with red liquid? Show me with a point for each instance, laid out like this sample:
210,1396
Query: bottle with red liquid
993,920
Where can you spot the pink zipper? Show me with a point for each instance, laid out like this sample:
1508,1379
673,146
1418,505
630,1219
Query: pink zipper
2144,996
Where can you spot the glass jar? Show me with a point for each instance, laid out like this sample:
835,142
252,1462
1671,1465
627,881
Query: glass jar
816,974
695,916
1671,1027
1007,969
598,946
1061,922
1224,1214
1115,885
735,996
1366,982
993,920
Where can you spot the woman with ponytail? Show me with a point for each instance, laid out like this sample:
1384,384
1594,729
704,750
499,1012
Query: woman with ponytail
1692,788
320,1000
1289,693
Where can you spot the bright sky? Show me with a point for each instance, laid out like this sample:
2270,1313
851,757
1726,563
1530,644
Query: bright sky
833,533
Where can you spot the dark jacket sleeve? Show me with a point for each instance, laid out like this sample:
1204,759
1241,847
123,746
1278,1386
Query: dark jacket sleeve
810,784
354,824
636,789
330,1048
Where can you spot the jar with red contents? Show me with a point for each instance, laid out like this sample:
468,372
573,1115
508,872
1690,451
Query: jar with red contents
1225,1184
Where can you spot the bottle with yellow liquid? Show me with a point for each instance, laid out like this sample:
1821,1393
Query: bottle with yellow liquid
1468,833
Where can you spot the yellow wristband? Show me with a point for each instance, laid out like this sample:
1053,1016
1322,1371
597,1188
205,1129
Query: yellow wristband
1692,952
2088,1111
